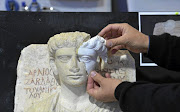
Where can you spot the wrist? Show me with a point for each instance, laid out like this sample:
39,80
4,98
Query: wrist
120,90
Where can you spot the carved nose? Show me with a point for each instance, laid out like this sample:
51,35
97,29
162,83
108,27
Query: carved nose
74,65
74,69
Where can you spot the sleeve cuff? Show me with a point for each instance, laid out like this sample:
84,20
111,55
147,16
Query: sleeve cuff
157,45
121,88
145,54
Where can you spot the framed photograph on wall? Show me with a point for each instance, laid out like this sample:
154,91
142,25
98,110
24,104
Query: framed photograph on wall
157,23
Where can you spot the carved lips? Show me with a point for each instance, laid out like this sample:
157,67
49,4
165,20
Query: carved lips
76,76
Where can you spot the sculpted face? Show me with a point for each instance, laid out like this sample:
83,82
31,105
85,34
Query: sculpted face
88,57
72,65
74,55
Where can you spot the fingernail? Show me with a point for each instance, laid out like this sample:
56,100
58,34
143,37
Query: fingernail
113,51
109,44
93,73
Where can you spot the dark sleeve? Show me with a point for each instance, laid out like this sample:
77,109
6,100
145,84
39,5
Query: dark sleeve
164,50
148,97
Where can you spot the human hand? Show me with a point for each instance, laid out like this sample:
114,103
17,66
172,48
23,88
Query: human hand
102,89
124,36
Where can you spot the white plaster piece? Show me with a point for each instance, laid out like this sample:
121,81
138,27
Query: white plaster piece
170,26
37,70
90,50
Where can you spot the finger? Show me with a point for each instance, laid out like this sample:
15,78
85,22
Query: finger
90,83
96,85
113,51
110,27
97,77
108,35
93,92
105,30
92,87
119,47
111,34
108,75
106,38
114,34
116,41
116,48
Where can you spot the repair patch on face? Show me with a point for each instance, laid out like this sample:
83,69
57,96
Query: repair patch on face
98,44
90,50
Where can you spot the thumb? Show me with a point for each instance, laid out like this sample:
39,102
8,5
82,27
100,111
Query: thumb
97,77
115,41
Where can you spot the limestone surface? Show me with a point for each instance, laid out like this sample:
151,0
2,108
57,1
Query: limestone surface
35,79
170,26
40,89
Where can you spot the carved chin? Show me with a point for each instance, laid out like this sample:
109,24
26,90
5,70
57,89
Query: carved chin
75,81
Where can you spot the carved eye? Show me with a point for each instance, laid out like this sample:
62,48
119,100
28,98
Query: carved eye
85,59
64,59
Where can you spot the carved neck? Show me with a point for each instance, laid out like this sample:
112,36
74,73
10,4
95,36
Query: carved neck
72,94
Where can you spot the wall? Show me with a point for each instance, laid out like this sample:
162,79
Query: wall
153,5
70,5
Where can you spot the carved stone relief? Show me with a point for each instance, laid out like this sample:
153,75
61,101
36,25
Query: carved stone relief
170,26
52,77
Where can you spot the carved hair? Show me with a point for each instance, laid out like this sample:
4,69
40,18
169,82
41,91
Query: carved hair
70,39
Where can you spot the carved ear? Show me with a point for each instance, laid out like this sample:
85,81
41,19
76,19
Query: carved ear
53,66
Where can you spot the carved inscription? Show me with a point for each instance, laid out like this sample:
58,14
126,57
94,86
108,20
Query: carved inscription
38,81
116,67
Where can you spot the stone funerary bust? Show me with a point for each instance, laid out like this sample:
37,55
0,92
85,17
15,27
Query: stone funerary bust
53,77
